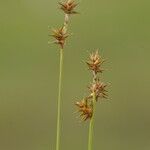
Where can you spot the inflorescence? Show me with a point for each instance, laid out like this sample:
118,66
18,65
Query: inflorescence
68,7
96,88
60,35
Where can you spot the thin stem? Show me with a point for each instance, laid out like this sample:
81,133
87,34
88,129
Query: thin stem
66,20
91,125
59,101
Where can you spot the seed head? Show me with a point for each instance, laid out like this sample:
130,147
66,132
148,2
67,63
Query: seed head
94,63
60,36
68,6
85,109
99,88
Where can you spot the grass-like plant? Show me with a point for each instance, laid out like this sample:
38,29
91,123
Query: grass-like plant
60,35
97,90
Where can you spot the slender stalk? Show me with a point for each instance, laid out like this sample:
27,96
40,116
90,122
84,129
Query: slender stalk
97,90
91,125
60,36
66,19
59,102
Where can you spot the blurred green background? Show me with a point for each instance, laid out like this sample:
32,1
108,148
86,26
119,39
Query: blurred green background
29,74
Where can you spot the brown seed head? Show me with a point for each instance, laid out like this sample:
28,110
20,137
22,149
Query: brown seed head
94,63
85,109
60,36
81,104
68,6
99,89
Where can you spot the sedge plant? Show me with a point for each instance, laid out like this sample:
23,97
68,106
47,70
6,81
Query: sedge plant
60,35
97,91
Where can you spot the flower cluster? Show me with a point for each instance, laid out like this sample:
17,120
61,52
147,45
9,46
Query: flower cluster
68,6
85,109
61,34
94,63
97,89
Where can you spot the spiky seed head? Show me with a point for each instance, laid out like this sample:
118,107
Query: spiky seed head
68,6
94,63
99,88
85,109
60,36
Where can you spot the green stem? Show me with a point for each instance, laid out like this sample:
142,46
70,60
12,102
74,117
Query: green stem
91,125
59,101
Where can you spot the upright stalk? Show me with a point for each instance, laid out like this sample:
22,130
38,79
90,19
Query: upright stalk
97,90
91,125
60,35
60,89
59,100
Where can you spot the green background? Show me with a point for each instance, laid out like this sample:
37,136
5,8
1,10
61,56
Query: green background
29,75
